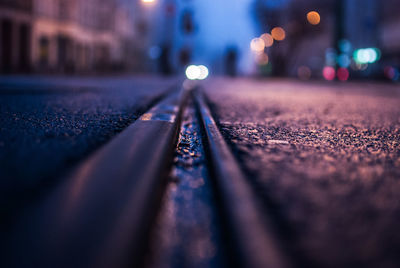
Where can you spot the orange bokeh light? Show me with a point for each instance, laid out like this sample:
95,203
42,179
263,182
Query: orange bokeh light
313,17
268,39
278,33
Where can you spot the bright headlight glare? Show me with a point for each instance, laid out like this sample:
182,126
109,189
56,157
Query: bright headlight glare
203,72
193,72
196,72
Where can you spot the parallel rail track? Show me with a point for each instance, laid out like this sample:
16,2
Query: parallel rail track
104,212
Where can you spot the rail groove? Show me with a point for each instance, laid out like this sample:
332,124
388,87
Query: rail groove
101,214
254,242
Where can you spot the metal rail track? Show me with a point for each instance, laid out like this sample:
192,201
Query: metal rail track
254,242
104,212
101,215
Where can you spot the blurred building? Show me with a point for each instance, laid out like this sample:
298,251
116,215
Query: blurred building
390,36
304,45
203,32
345,26
16,19
66,35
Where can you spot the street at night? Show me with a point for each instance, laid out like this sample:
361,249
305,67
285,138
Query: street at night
322,161
48,124
325,158
201,133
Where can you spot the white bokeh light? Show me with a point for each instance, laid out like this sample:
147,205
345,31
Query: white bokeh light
193,72
203,72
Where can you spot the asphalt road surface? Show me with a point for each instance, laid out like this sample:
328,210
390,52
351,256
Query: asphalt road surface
48,124
326,160
322,159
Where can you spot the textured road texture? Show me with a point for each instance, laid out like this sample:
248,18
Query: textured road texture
187,231
325,159
49,124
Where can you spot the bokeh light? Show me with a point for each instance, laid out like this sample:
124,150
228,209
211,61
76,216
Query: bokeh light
344,60
154,52
356,66
278,33
329,73
330,57
304,73
313,17
257,45
392,73
366,55
262,59
345,46
268,39
203,72
192,72
343,74
147,1
196,72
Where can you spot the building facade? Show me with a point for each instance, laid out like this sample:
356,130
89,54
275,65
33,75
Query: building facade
390,36
203,32
65,36
16,17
